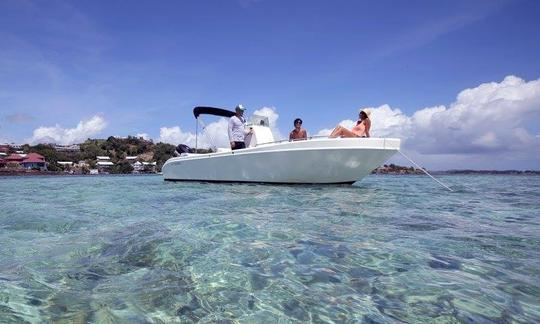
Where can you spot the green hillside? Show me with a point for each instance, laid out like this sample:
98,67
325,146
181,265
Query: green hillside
115,148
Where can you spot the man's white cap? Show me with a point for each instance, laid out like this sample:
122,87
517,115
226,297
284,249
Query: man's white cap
240,107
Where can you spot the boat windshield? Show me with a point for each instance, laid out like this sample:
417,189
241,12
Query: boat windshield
260,120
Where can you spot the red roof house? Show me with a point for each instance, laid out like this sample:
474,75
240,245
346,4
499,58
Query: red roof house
35,156
14,158
34,161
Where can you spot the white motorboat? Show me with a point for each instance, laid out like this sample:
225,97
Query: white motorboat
316,160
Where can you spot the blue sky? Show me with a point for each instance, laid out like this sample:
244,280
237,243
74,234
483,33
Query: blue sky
140,67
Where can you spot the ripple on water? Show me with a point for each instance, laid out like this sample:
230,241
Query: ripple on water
390,249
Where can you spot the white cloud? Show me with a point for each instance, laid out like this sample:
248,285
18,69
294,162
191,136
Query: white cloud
214,134
489,119
59,135
174,135
488,139
273,116
211,135
143,136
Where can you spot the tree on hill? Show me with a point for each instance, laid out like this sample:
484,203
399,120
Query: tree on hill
122,167
163,152
91,148
114,144
139,144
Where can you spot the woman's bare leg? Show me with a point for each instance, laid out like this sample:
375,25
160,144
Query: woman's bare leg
347,133
341,131
336,132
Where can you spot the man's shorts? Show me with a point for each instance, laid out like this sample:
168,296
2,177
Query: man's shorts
239,145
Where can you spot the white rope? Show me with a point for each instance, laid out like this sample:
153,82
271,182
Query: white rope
419,167
210,137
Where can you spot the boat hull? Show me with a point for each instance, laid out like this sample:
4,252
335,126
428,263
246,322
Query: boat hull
318,161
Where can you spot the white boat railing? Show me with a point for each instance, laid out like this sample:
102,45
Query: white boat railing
307,139
294,140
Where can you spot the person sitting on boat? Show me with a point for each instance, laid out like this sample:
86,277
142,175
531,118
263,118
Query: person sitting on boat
361,129
237,132
298,133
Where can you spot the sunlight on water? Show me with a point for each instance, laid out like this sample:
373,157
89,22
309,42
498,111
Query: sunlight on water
136,249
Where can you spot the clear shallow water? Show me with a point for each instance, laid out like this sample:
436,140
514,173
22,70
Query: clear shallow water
396,248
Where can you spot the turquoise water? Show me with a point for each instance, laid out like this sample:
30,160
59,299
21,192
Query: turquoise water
132,249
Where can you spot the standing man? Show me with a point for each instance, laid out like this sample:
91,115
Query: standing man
237,131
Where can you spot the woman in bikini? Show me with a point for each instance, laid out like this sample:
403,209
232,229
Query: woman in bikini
361,129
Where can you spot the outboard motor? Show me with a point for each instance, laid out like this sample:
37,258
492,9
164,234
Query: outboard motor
182,148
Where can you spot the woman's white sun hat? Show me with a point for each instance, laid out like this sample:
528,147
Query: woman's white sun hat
366,110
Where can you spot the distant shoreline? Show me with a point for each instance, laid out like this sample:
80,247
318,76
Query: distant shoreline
487,172
402,170
29,173
465,172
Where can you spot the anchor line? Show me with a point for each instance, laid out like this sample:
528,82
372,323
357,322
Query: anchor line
432,177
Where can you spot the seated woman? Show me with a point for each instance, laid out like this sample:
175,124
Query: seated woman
298,133
361,129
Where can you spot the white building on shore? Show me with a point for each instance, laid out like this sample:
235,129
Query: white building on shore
103,163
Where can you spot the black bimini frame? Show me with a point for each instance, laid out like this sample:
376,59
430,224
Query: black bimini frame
212,111
197,111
